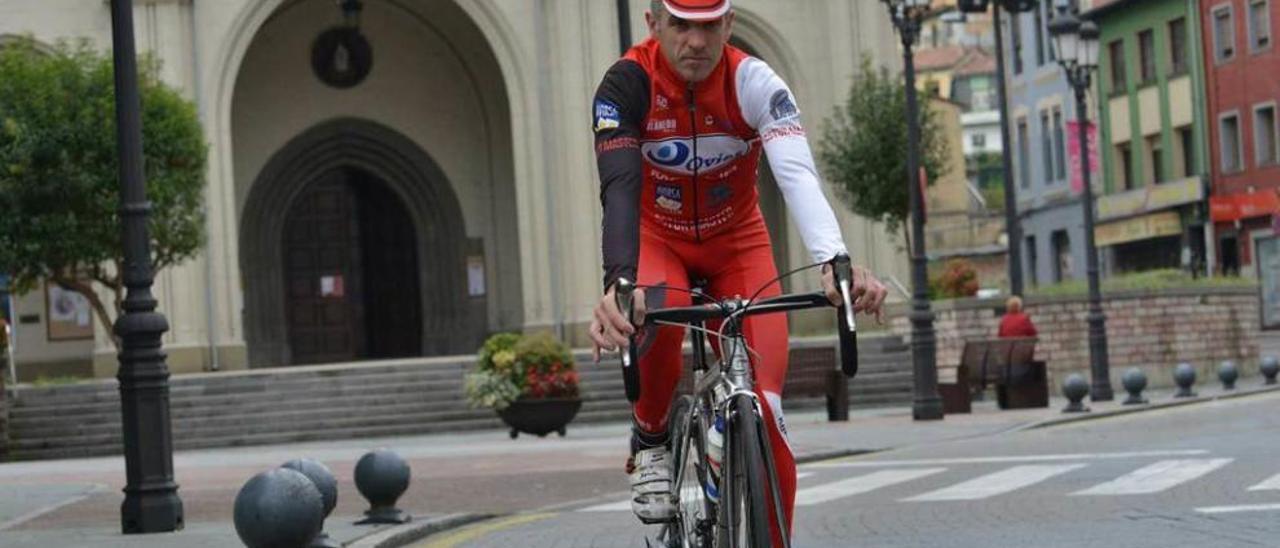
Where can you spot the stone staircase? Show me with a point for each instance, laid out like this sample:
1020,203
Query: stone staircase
388,398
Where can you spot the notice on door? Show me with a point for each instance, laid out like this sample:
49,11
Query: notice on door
475,276
331,286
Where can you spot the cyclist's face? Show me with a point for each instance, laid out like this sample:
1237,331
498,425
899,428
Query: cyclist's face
693,48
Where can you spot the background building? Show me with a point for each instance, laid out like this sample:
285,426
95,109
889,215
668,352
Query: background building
1242,86
450,194
1150,81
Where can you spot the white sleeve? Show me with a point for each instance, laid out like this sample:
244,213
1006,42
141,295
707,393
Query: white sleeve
769,107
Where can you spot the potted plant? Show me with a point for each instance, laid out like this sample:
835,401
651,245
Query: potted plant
529,380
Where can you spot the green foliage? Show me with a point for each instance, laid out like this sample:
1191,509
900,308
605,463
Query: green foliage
59,180
512,366
1151,280
958,279
988,170
863,147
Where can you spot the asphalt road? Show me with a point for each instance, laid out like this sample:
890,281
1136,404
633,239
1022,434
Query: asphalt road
1206,475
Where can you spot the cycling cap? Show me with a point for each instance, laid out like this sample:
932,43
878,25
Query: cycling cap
697,10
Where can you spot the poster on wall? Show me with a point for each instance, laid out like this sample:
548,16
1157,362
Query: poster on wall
1268,260
70,314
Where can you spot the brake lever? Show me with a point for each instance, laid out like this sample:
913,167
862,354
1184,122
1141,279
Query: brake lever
624,296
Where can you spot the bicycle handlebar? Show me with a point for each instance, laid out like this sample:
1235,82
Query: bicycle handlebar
846,330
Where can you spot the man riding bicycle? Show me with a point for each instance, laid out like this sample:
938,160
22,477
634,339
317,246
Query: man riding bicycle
680,122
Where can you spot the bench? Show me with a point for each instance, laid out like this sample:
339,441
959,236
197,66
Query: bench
1009,364
812,373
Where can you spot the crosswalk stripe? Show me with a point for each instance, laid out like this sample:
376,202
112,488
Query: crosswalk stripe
997,483
1271,484
1240,508
860,484
1156,477
1008,459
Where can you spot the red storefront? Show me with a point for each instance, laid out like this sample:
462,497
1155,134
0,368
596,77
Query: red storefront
1242,79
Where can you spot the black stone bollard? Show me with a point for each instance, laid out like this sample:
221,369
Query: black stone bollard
1228,373
1185,376
1075,389
1269,367
382,476
1135,381
323,479
279,508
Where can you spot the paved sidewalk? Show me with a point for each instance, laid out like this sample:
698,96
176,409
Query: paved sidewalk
76,502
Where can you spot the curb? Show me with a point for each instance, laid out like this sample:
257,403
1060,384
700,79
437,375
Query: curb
402,535
1058,421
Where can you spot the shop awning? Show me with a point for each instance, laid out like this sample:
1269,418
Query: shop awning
1153,225
1235,207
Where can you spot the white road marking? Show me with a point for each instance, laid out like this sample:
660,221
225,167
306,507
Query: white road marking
1009,459
860,484
1240,508
1268,485
1156,477
998,483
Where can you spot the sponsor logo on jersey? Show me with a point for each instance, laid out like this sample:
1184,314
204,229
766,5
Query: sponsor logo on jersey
667,124
714,153
662,101
607,116
781,106
669,197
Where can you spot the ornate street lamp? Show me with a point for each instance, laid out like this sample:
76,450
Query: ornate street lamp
151,503
1077,46
907,16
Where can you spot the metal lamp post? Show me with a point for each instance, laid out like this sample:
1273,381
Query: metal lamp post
926,405
151,503
1077,46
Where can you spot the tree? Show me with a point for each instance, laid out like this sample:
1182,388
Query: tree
59,182
864,147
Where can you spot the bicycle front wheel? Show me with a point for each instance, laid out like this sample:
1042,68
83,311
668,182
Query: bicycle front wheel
745,512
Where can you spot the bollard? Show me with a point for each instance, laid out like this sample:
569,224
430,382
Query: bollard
1135,381
323,479
1185,376
1075,389
1269,367
1228,373
279,508
382,476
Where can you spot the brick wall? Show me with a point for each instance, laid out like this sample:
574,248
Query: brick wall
1149,330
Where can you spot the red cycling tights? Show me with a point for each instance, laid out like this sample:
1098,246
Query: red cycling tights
738,262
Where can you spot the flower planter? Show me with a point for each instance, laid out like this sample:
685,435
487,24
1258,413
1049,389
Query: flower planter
540,417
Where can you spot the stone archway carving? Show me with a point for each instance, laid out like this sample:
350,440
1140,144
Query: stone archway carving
412,175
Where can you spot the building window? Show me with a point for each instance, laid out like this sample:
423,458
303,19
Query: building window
1147,55
1232,155
1178,45
1186,151
1259,24
1118,83
1024,154
1061,255
1031,261
1224,34
1015,35
979,141
1059,145
1264,134
1125,165
1046,145
1049,17
1039,37
1155,151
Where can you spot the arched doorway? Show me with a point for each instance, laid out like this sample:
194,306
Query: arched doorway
431,125
350,265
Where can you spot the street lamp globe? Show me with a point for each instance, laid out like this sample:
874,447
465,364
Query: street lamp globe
1065,30
1088,45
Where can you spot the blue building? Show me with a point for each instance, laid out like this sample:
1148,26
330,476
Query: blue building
1041,104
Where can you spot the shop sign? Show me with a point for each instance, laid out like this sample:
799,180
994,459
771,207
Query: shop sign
1165,223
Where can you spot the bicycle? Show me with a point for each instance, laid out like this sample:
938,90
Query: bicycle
715,513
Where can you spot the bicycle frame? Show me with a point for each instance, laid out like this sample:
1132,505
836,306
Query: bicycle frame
714,391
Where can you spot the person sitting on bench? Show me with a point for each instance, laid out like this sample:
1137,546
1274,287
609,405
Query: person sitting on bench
1015,323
